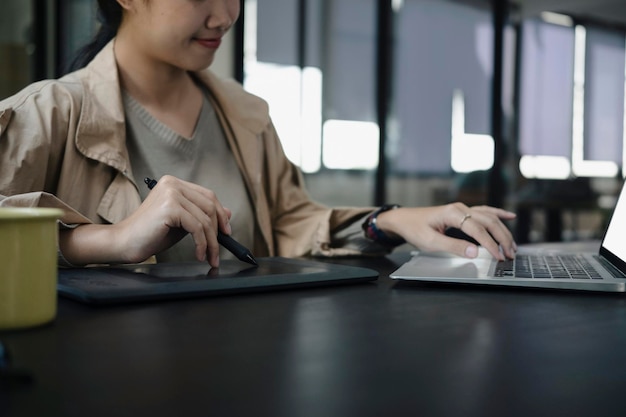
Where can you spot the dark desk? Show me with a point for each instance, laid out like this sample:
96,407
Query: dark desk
376,349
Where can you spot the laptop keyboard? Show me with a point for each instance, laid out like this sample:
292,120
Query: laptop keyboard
547,266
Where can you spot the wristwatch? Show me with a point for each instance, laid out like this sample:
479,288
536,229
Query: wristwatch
374,233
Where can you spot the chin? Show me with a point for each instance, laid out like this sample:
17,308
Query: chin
199,65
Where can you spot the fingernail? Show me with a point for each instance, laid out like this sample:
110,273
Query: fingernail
229,229
471,251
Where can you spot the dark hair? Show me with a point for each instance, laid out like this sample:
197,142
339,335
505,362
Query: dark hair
109,17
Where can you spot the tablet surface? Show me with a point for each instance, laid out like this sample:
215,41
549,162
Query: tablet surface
128,283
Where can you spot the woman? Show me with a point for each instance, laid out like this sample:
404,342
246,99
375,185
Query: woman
145,105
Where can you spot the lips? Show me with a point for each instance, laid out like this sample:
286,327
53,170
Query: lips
213,43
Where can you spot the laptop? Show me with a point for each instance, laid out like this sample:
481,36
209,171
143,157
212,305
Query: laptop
604,270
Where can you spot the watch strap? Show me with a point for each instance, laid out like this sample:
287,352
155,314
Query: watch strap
372,231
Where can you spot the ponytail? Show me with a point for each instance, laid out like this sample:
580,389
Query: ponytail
109,17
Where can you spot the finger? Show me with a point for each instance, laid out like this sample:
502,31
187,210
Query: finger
500,213
490,233
184,214
460,247
497,230
209,203
461,216
225,222
476,230
205,215
203,229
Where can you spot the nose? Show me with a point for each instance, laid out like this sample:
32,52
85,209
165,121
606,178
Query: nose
220,15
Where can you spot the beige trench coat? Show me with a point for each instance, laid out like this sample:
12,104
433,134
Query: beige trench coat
63,144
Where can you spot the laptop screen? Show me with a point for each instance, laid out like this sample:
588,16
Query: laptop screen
614,243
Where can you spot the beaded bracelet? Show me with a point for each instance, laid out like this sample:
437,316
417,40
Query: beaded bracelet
374,233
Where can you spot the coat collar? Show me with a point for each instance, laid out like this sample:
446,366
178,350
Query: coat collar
101,131
242,108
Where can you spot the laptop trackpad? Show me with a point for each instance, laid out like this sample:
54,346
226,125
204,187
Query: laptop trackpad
450,266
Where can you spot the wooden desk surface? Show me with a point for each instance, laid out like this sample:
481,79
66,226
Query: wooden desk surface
375,349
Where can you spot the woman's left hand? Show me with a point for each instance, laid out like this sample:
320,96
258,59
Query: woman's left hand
424,227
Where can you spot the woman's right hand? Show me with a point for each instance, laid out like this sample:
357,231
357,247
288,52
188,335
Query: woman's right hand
172,209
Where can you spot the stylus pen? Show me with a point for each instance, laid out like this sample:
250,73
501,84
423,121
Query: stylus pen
240,251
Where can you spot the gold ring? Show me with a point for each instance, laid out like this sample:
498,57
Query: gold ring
467,216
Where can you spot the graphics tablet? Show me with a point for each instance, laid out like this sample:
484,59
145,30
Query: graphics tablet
128,283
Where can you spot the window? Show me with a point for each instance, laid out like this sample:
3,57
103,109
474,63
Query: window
546,96
442,83
571,100
598,148
442,88
319,84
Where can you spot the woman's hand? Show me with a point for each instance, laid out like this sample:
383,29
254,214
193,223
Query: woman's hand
424,228
172,209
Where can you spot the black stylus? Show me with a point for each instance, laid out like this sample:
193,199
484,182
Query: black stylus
241,252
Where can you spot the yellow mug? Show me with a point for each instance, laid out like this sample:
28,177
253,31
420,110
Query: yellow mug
28,266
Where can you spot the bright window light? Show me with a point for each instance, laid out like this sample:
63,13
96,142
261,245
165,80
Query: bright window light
580,166
295,101
472,152
396,5
469,152
546,167
350,144
294,97
311,134
557,19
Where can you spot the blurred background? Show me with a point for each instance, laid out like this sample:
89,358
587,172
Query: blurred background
518,104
